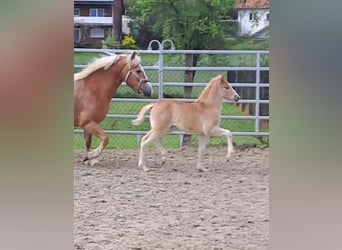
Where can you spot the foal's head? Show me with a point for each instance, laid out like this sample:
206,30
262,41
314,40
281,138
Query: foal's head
136,77
226,90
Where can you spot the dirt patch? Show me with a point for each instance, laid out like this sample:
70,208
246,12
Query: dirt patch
118,206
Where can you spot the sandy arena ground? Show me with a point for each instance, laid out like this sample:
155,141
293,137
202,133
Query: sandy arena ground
118,206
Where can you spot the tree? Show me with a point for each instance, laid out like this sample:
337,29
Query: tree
118,7
192,24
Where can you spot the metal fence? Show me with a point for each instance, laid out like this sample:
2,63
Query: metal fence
165,68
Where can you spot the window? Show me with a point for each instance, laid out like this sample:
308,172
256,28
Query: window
252,16
77,11
96,12
97,33
77,35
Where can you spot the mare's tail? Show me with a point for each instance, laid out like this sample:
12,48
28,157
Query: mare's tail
141,114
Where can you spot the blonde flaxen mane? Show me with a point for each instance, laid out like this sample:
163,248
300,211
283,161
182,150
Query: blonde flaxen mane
102,62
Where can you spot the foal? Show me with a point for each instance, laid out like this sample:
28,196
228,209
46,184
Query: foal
201,117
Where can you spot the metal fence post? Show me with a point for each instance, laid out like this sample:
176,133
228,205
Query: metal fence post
257,93
160,66
160,62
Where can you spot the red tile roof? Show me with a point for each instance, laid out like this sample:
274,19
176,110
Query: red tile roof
252,4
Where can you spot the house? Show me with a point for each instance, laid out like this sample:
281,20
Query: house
94,21
253,18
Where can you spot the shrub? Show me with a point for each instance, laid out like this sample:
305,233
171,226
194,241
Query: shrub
128,42
110,43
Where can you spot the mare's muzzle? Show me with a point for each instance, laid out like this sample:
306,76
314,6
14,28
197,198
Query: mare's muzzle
146,88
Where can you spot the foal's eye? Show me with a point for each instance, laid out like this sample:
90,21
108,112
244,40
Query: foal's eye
138,71
227,87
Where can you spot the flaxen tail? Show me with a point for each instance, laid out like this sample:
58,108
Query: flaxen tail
141,114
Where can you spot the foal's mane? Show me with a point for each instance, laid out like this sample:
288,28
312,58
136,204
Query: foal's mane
103,62
205,92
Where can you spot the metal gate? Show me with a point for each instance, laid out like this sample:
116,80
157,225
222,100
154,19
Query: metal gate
165,68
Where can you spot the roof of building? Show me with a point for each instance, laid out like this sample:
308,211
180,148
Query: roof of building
252,4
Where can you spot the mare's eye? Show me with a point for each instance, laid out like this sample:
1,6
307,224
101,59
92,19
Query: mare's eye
227,87
138,71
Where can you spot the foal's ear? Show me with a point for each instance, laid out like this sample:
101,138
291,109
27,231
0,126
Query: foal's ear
222,77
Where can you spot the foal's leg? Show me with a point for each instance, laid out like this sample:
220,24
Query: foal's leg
87,139
201,148
94,129
217,131
161,148
149,137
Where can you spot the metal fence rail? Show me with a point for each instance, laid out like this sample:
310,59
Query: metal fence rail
160,82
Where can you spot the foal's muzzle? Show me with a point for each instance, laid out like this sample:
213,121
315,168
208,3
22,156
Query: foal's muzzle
146,88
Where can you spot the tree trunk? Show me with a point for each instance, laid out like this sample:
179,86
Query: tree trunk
189,75
117,19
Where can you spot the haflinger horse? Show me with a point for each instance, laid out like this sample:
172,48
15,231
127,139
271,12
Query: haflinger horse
94,87
201,117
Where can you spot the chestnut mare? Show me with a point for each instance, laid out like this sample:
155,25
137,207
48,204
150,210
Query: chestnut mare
201,117
94,87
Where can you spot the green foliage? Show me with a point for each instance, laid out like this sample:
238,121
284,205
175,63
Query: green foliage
110,43
128,42
190,24
248,44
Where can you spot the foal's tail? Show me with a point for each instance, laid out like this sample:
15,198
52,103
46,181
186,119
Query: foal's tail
141,114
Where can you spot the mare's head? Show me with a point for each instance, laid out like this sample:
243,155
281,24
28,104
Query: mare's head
226,90
135,76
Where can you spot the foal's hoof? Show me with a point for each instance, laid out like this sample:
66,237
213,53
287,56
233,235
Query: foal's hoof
163,160
146,169
142,165
86,159
228,158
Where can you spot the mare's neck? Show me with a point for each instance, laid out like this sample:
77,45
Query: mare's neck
112,79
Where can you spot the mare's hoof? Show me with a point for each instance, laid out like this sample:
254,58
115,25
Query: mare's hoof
201,170
92,162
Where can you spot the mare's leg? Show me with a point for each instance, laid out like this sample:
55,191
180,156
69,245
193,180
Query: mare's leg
87,139
93,128
217,131
163,151
201,149
149,137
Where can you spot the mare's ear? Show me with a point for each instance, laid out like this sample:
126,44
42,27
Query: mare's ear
133,55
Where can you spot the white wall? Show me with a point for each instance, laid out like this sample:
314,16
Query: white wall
249,27
125,21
